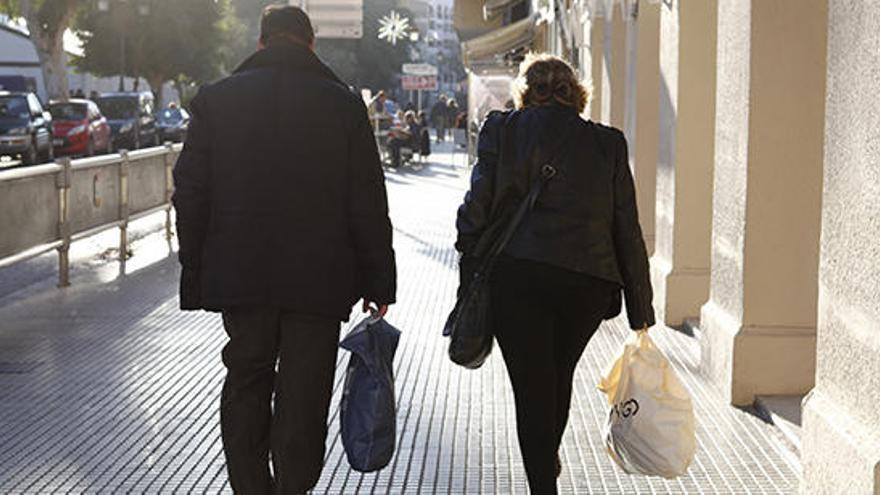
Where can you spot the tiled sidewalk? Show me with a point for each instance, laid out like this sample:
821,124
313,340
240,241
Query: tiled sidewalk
106,387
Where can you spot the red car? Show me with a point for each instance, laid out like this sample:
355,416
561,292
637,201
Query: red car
78,128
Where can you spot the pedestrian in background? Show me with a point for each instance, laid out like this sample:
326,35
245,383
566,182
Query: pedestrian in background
439,117
283,224
451,115
379,115
562,272
377,104
424,134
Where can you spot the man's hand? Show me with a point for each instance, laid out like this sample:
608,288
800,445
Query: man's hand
376,310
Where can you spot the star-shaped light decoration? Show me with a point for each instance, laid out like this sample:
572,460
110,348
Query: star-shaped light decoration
393,28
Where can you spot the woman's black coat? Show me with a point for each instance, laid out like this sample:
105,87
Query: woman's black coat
586,219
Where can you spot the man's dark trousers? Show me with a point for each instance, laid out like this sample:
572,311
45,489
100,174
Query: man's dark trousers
294,426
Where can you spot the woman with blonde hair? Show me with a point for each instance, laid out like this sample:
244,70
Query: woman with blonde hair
576,249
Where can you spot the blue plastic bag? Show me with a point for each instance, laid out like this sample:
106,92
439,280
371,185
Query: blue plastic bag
368,410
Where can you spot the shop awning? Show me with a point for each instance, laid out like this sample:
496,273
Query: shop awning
494,8
469,22
491,48
603,8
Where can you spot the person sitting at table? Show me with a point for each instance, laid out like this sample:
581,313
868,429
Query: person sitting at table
405,135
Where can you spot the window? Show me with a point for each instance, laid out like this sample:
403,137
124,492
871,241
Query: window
69,111
118,107
13,108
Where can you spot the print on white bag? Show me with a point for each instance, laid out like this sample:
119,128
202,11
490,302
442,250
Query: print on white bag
650,427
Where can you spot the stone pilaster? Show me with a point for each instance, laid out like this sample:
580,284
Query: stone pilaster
597,62
759,326
614,68
641,109
680,265
841,433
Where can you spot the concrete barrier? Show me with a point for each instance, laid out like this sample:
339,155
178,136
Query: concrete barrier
48,206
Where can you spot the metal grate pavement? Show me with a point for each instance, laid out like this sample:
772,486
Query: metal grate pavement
107,388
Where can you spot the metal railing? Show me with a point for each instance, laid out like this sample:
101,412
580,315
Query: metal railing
47,207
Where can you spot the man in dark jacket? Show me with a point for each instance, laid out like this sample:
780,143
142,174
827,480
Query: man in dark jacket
283,224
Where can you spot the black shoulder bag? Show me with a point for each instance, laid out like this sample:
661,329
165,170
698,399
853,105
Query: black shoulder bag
469,326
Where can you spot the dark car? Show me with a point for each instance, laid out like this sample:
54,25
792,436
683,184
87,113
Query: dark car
25,128
172,123
79,128
131,119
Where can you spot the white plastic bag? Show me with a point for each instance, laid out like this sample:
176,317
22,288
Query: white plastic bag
650,428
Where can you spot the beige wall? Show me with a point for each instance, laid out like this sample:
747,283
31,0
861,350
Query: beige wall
841,430
759,324
680,265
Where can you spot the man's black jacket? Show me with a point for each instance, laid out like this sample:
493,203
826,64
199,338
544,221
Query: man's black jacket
584,221
279,193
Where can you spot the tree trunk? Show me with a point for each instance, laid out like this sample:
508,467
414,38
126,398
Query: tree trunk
53,62
49,44
157,84
181,96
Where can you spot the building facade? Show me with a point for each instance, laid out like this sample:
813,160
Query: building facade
438,43
752,128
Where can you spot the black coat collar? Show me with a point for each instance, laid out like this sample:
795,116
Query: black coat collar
289,55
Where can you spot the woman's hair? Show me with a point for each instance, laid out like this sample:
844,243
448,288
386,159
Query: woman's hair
544,79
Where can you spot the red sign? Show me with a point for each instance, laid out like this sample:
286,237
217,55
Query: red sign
428,83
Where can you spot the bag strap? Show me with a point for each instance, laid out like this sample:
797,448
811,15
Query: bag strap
547,173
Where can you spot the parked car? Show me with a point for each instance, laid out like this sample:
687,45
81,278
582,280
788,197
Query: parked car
131,119
172,123
25,128
79,128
